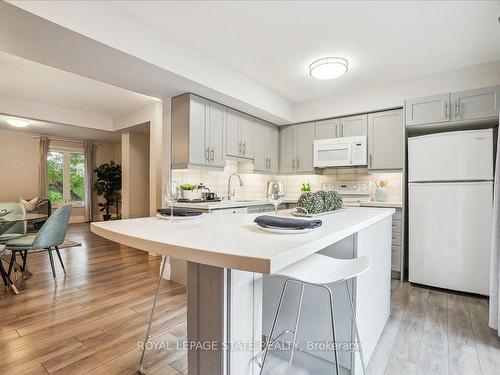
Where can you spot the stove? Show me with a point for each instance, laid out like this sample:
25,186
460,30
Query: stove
353,193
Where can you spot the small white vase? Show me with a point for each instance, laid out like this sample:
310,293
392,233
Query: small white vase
188,194
381,194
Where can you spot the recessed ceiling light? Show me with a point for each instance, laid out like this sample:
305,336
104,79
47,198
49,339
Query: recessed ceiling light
328,68
18,122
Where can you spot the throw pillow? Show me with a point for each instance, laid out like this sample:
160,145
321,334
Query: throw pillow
29,205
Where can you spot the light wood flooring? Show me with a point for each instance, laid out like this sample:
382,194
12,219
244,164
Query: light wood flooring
92,322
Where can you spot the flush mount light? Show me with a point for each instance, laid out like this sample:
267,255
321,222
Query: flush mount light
18,122
328,68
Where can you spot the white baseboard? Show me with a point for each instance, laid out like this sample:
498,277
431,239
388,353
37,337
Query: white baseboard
76,219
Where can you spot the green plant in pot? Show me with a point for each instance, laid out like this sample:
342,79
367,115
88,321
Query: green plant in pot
108,185
189,191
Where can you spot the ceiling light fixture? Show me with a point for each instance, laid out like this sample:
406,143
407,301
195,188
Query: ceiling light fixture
18,122
328,68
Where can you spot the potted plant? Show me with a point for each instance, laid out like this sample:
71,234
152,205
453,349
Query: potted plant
188,191
108,186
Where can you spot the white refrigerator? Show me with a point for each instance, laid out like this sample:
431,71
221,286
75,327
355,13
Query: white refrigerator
450,193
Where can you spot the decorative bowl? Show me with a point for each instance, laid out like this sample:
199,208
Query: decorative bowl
5,212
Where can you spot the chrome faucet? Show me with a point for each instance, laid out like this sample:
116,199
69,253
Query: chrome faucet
229,194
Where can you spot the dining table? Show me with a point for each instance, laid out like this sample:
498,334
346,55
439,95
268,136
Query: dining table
7,222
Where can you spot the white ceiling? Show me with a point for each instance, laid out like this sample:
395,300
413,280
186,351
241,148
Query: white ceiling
27,79
61,130
385,41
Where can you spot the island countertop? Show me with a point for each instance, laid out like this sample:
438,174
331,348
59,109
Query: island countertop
234,241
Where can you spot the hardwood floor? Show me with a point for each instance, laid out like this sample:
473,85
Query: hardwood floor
92,322
95,318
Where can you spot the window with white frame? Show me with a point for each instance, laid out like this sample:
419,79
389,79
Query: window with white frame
66,177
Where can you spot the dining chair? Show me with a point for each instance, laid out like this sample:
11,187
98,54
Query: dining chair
50,236
5,277
18,229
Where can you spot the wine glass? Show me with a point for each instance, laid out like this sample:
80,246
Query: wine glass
171,194
276,193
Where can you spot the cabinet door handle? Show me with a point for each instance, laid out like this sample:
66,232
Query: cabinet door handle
239,148
371,161
213,155
298,163
206,154
293,163
458,108
244,148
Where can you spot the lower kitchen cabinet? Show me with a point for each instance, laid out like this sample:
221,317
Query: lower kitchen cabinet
386,140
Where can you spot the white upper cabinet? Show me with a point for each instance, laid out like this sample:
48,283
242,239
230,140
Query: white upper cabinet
326,129
428,110
353,126
386,140
296,147
478,104
240,135
475,104
266,147
198,132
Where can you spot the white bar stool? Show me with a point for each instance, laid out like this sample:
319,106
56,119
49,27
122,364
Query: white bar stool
319,271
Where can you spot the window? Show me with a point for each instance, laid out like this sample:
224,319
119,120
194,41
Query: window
65,177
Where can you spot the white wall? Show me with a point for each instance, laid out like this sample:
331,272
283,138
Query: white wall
393,95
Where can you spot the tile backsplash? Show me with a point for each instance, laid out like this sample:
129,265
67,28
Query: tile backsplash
255,185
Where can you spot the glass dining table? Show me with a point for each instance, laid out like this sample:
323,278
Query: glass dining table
7,222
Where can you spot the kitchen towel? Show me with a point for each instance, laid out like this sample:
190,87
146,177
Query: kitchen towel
268,221
178,212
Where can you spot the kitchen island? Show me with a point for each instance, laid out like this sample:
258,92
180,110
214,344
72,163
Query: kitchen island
230,300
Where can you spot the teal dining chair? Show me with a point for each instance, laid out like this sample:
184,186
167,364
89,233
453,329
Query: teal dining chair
18,229
50,236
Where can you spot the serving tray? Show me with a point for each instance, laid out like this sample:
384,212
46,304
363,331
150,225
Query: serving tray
302,212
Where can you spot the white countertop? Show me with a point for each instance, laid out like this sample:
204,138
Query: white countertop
259,202
382,204
237,243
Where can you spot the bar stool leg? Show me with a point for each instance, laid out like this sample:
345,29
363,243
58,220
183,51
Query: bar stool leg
351,305
334,335
296,327
140,368
273,326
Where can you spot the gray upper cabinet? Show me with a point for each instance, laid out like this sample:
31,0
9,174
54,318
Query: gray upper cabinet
386,140
296,146
215,132
428,110
198,132
354,126
475,104
247,135
273,147
478,104
304,147
240,135
266,147
233,146
287,149
326,129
